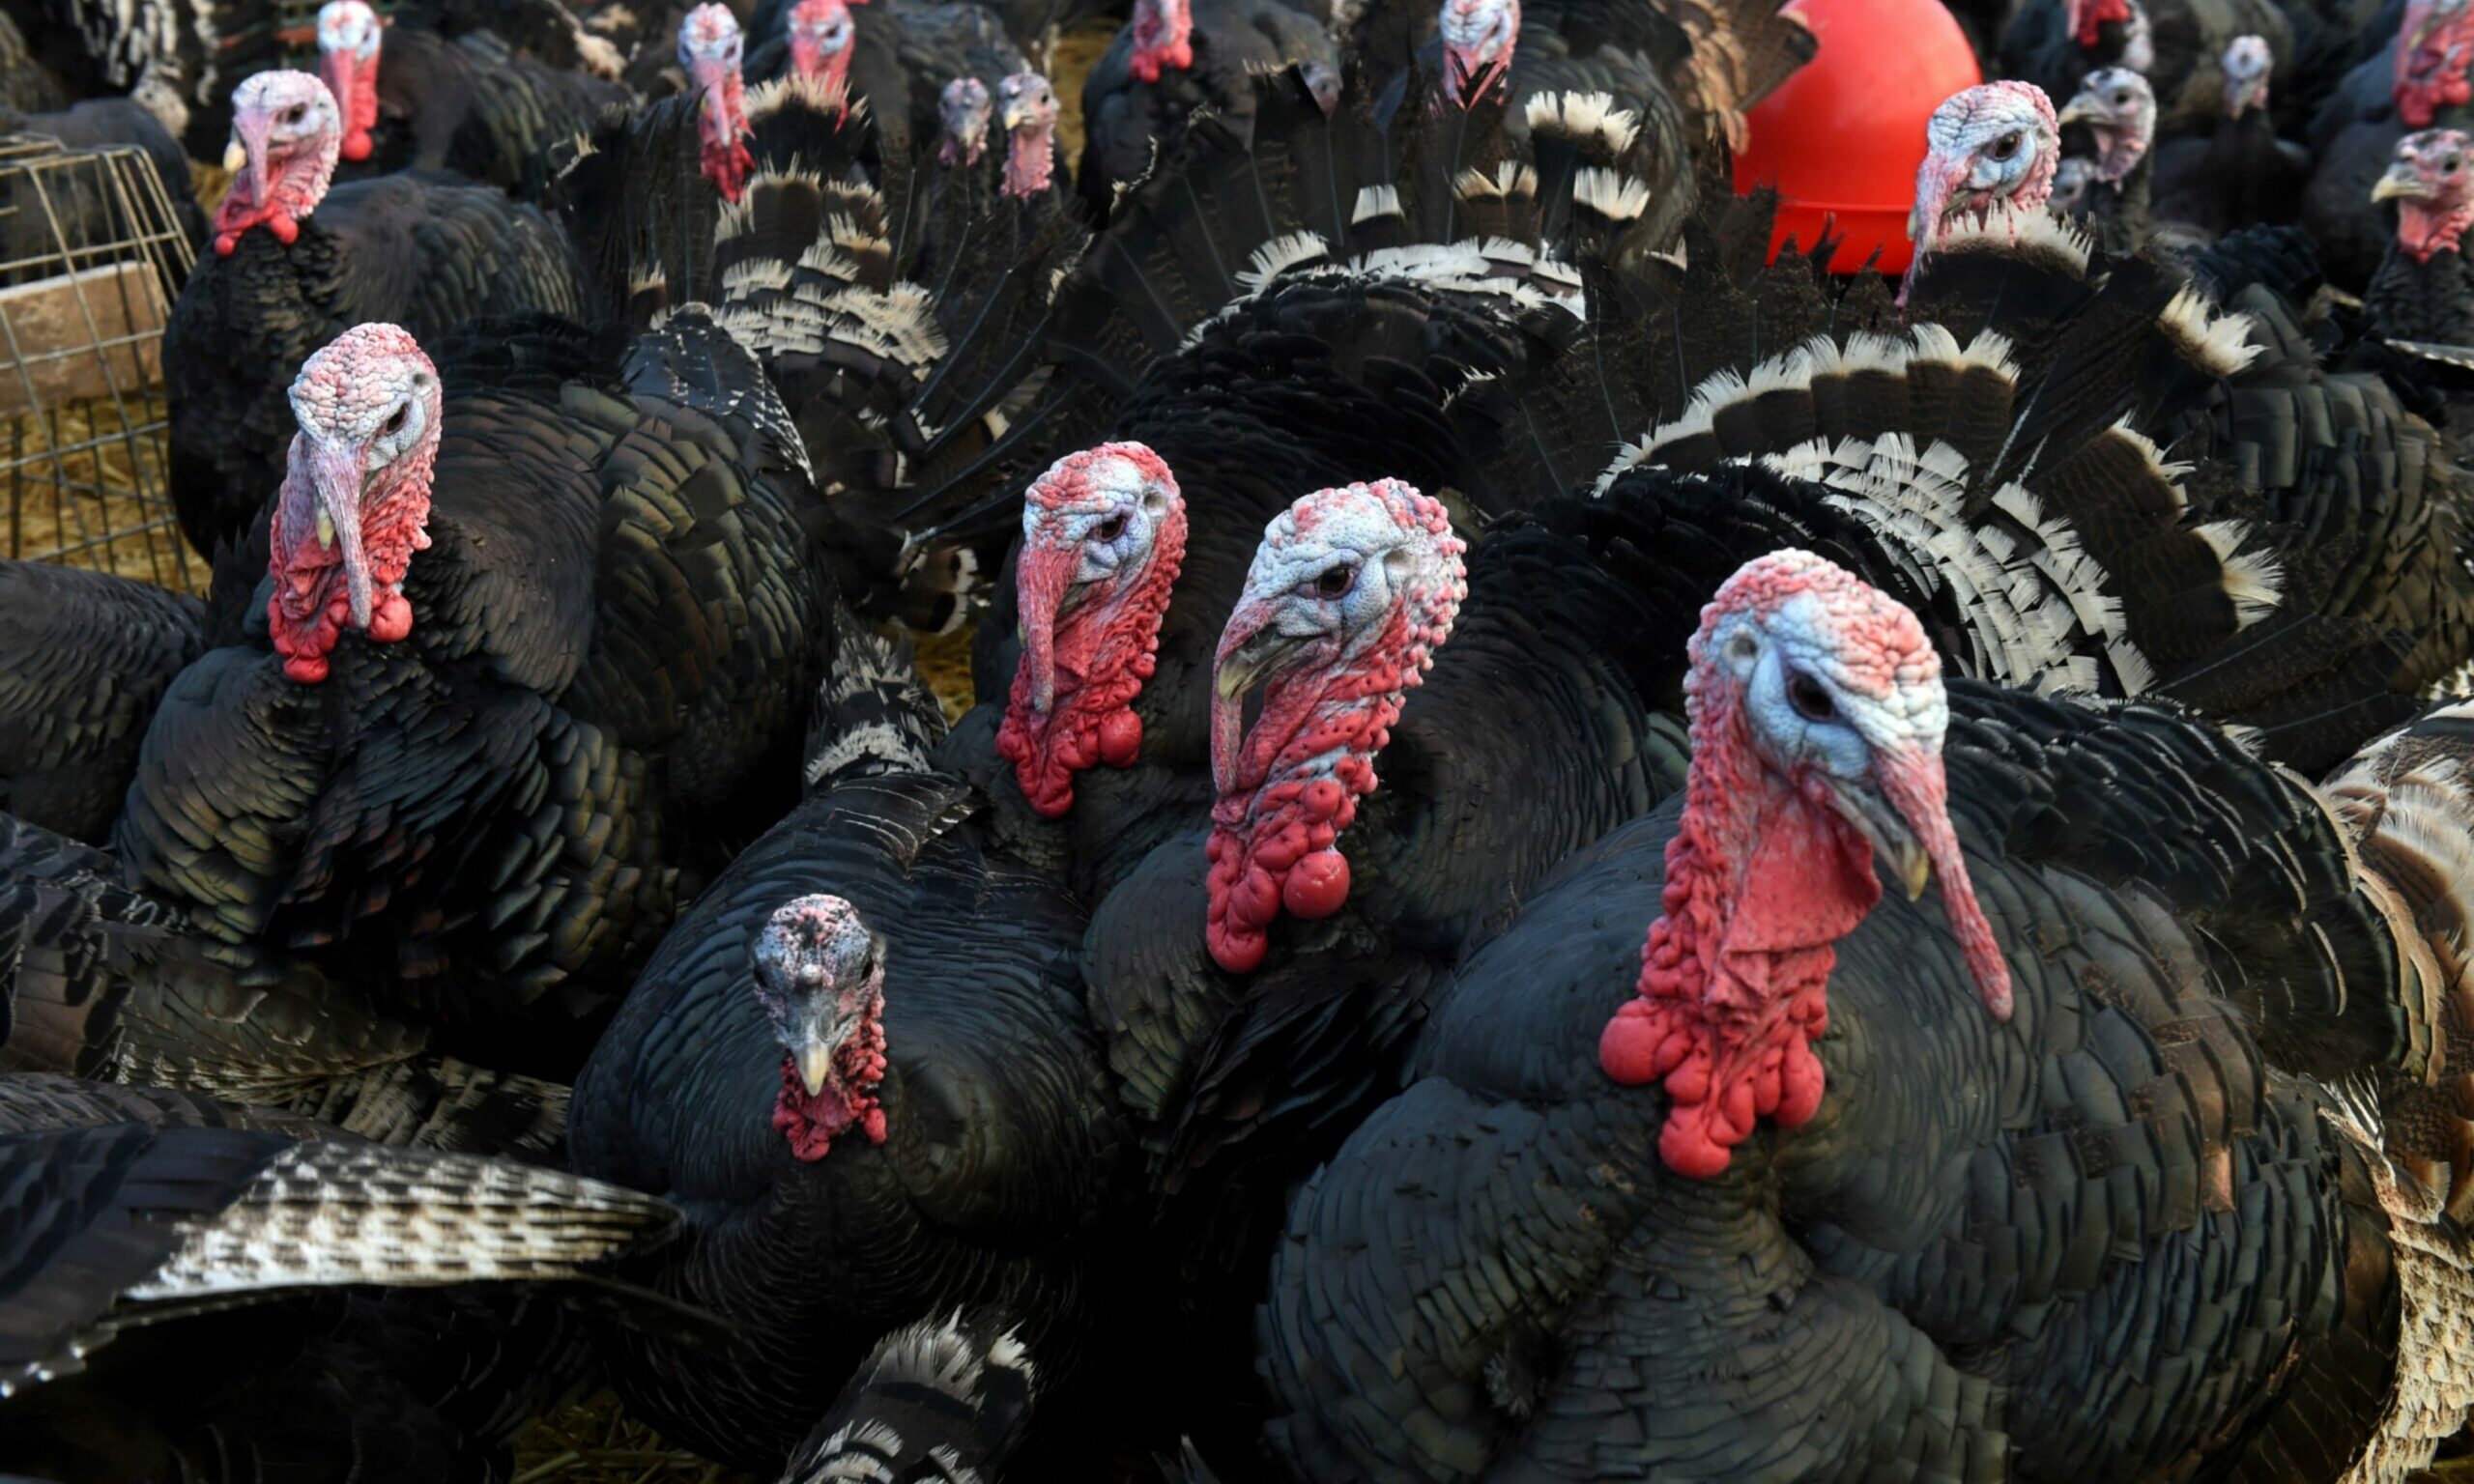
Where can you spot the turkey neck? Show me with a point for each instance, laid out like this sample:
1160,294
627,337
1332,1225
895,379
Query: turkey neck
2425,228
1760,886
1030,160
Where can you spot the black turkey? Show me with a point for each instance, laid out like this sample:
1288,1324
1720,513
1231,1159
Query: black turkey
1673,78
2238,172
102,981
1174,59
898,56
180,60
2117,110
147,1227
93,216
537,631
414,99
296,263
940,1402
2421,302
2157,1102
96,653
862,1064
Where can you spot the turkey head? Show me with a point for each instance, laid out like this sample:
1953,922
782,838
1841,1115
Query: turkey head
2120,110
2088,18
708,48
1478,37
1816,713
820,978
1028,104
962,112
349,36
1163,38
2434,48
1103,535
355,498
821,33
1989,146
2245,64
2428,181
1348,594
285,134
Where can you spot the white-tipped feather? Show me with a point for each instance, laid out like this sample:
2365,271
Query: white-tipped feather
1613,197
2253,580
1373,201
1279,255
1585,114
2009,229
2217,343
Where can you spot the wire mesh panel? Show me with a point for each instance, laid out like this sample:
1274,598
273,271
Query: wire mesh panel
91,258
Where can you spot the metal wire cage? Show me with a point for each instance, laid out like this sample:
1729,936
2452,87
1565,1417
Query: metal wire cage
91,258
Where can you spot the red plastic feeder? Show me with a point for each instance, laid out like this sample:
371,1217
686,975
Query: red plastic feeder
1841,138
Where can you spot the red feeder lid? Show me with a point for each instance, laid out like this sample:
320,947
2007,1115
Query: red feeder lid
1842,136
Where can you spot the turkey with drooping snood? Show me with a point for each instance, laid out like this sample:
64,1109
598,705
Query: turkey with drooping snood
537,631
413,98
861,1065
296,263
2082,1174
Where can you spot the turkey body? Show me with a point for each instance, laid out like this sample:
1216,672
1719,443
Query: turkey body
94,218
902,52
473,105
2126,1235
179,62
425,252
615,634
2240,174
95,654
2181,41
1232,39
2431,301
992,1182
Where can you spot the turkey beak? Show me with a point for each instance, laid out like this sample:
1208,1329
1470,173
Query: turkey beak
1934,186
1894,842
335,473
816,1063
712,89
2400,183
1017,113
2083,108
1250,649
1043,593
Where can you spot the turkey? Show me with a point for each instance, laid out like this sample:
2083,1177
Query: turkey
1680,75
180,60
901,354
95,654
2178,45
414,99
940,1402
25,83
2239,172
102,981
2117,109
296,263
1176,58
2410,85
861,1063
2421,302
91,215
538,631
2157,1104
898,55
147,1227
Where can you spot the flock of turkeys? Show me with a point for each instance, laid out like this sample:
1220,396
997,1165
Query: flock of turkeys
1391,979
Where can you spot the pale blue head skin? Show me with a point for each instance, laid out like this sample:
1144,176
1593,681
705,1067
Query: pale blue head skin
819,974
1026,102
1330,570
348,26
2245,64
708,38
1806,709
1993,143
962,113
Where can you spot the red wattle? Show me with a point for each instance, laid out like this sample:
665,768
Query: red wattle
2096,15
1121,739
1628,1047
1316,886
391,619
355,146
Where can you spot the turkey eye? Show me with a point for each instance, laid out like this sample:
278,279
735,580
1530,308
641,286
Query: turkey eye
2449,168
291,115
1810,700
1335,583
2006,147
395,424
1108,530
2121,100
